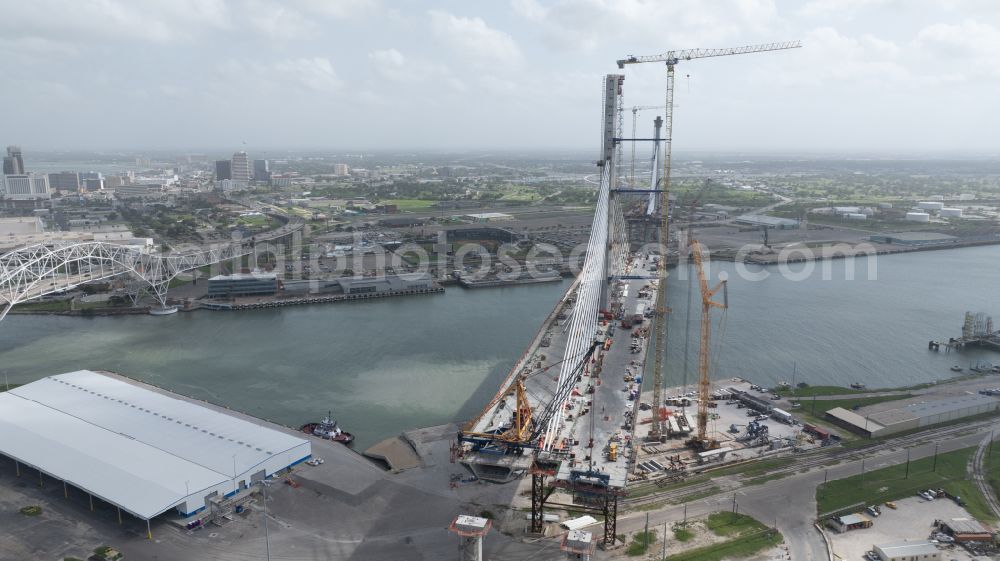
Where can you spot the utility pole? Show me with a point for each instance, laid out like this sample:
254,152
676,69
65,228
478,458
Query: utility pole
645,534
989,453
862,473
934,468
663,553
267,542
907,476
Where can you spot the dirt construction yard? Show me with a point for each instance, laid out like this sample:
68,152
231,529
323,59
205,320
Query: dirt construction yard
912,521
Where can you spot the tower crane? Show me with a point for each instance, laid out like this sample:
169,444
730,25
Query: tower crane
672,58
704,384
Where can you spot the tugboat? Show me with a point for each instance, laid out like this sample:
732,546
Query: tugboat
857,386
328,429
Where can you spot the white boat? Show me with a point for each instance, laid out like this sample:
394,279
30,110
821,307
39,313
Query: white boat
164,311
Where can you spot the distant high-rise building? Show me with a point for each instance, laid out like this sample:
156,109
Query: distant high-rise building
223,170
241,167
341,169
261,170
65,181
92,184
13,164
23,186
110,182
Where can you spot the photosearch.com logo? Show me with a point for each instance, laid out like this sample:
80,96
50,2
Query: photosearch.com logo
537,261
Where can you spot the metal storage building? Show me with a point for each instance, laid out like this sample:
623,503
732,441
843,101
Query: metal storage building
908,551
140,450
913,416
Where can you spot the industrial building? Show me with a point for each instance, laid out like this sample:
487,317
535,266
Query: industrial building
253,284
930,205
966,530
142,451
950,213
913,238
489,217
913,416
385,284
849,522
908,551
481,233
918,217
767,221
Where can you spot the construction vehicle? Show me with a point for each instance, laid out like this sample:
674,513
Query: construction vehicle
701,441
524,431
613,452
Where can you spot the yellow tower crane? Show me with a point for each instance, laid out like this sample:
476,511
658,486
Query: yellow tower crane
702,441
672,58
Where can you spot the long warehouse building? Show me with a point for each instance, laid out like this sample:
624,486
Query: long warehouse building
140,450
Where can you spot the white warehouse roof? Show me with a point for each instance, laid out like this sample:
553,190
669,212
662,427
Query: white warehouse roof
907,549
133,447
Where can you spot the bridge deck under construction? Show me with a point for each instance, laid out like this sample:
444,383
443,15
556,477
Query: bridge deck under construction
600,410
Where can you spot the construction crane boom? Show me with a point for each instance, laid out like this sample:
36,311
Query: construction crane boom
672,58
707,303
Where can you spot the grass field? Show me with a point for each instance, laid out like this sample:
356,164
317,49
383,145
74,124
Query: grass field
748,536
891,483
640,543
810,391
824,405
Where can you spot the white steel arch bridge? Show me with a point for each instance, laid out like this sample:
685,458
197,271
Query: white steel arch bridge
37,270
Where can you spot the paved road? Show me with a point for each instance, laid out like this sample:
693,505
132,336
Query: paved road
790,503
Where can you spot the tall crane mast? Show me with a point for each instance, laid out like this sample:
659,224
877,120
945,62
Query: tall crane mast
672,58
707,303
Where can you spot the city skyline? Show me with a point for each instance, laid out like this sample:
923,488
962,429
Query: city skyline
874,75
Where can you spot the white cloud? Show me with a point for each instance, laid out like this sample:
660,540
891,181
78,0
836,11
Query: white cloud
472,37
586,25
396,67
967,38
832,60
313,73
844,9
278,21
151,21
341,9
530,10
33,49
953,53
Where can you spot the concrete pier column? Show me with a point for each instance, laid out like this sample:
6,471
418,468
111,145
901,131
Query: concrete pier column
65,491
91,502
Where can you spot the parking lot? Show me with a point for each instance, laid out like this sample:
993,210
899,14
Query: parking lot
912,520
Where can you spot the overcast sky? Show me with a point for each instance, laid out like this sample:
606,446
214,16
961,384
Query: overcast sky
911,75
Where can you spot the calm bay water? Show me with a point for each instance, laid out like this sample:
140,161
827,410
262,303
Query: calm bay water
387,365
